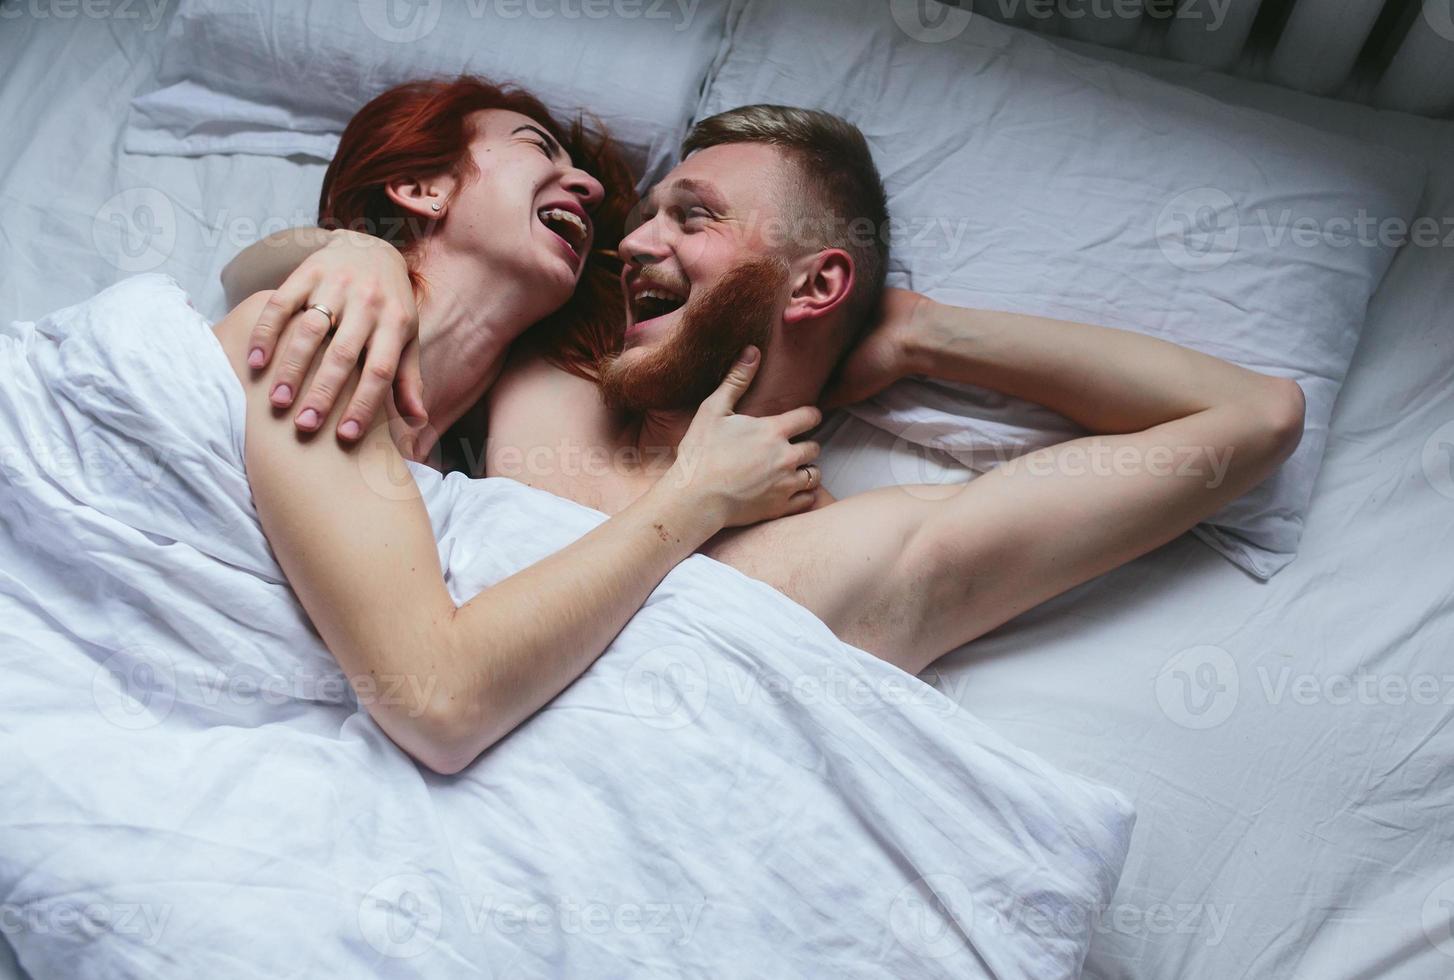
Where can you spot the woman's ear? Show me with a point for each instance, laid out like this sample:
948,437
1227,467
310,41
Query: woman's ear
820,286
425,198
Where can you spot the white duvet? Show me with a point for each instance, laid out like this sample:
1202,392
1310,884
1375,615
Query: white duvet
190,788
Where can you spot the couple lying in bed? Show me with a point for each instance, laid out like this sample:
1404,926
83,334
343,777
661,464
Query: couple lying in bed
750,282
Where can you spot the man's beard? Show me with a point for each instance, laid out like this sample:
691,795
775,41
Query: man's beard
687,366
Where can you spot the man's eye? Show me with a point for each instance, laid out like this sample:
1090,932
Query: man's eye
683,215
543,148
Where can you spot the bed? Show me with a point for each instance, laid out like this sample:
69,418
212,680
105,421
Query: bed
1285,742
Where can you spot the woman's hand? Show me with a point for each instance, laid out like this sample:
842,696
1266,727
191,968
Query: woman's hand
884,355
364,282
747,469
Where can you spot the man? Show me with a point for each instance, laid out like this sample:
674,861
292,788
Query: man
759,237
769,233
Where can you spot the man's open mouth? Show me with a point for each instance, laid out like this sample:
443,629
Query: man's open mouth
568,226
651,302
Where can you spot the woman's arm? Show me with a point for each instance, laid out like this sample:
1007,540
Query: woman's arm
351,533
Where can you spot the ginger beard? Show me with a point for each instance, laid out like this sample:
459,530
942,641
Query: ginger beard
686,367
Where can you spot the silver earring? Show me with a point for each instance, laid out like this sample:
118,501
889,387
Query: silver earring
436,206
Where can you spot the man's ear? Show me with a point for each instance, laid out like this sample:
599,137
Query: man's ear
425,198
821,283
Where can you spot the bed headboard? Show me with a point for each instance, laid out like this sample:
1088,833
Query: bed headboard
1395,54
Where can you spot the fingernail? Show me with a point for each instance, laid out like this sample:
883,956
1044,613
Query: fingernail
256,357
282,394
749,356
349,429
308,419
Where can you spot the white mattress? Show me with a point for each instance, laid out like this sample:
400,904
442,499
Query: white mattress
1304,835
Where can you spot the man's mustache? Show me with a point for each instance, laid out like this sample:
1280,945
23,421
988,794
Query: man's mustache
650,277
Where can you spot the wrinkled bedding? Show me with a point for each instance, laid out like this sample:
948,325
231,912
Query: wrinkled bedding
727,783
1291,832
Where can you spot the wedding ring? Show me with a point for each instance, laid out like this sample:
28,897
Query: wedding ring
332,320
812,471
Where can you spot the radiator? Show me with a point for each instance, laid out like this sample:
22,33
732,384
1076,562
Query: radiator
1397,54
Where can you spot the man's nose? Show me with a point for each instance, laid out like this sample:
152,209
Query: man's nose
644,245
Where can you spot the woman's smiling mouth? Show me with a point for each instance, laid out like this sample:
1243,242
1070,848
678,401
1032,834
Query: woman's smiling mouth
570,228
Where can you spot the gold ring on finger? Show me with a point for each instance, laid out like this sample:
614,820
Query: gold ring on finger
332,320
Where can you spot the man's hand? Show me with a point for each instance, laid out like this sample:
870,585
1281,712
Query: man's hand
364,282
884,355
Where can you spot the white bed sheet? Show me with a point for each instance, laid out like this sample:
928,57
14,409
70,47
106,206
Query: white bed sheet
1299,836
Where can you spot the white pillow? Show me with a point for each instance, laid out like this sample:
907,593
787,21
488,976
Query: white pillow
283,77
1031,179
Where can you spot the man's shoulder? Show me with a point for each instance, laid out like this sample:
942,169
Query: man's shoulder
529,368
532,391
550,429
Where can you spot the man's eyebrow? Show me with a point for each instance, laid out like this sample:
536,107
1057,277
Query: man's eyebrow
550,141
702,189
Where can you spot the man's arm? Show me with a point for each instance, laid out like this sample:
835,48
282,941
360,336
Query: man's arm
266,263
1177,435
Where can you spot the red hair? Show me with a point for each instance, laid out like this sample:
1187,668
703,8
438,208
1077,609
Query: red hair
422,129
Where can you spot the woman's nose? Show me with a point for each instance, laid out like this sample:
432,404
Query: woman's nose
585,187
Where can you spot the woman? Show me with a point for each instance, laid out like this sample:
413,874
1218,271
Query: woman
480,190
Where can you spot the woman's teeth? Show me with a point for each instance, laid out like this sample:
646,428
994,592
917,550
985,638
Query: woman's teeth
567,225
